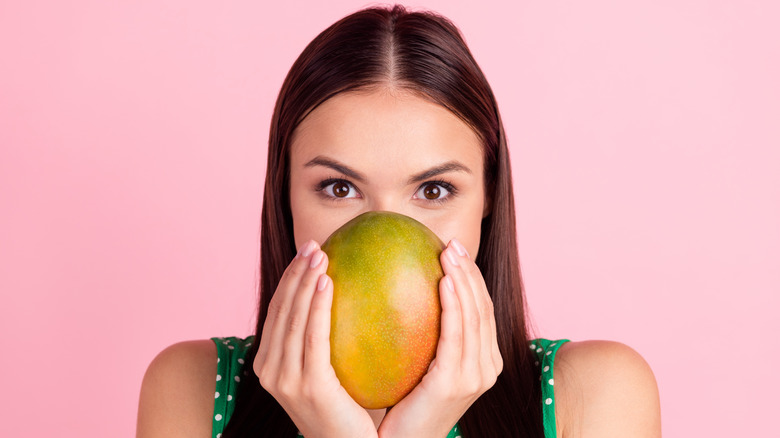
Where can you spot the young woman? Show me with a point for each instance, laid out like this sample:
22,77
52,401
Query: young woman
387,110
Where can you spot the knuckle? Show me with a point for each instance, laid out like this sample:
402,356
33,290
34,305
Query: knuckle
264,377
285,387
277,306
488,378
472,386
313,339
295,323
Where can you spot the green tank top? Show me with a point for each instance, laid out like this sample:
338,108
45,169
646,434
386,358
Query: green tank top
231,353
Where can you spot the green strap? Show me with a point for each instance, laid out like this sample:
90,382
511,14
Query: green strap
230,361
545,350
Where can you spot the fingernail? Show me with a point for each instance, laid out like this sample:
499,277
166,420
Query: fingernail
307,248
459,248
448,283
316,259
452,258
322,282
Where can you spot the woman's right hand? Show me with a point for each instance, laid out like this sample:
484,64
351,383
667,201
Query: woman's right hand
293,359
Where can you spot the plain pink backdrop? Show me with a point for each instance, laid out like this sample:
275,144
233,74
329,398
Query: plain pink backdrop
644,139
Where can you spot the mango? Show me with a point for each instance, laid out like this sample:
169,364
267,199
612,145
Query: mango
386,314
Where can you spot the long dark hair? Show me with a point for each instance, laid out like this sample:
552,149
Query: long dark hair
423,53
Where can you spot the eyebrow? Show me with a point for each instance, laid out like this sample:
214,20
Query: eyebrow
338,167
449,166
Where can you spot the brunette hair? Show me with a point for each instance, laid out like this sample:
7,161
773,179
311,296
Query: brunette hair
425,54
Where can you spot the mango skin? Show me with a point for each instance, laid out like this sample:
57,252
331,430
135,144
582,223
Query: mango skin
386,314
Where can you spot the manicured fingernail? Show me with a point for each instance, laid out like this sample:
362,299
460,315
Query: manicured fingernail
459,248
307,248
322,282
452,258
448,283
316,259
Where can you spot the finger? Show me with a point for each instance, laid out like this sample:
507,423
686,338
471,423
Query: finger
498,361
281,302
490,357
483,302
495,353
450,347
469,314
488,340
317,341
292,353
490,353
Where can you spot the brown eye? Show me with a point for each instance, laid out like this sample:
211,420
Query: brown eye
435,191
431,191
337,189
340,189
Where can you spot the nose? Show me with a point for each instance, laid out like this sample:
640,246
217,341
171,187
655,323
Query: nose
386,203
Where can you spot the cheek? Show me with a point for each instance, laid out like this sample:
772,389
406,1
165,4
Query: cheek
302,209
312,222
470,235
308,225
466,229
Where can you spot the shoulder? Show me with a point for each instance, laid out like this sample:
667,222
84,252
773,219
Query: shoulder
177,393
605,389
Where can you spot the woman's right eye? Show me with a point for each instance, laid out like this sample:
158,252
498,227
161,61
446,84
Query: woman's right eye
339,189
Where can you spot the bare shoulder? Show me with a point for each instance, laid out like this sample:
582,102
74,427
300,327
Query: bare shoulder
177,393
605,389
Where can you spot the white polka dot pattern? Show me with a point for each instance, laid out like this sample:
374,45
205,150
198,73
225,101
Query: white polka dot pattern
234,350
231,352
546,354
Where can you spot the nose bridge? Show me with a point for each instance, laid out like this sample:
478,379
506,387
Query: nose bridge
383,202
387,201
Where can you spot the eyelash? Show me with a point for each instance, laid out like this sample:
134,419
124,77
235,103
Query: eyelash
452,191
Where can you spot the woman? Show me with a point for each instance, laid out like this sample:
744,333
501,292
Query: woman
387,110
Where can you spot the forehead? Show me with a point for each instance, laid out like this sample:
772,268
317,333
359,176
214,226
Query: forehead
387,130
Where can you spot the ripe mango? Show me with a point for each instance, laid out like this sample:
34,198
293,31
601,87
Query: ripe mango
386,314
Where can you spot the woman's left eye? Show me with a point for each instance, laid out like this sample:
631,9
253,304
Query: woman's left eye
434,191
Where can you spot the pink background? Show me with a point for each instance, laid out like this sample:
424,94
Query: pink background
644,139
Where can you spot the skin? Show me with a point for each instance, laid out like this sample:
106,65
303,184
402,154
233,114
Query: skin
375,143
387,137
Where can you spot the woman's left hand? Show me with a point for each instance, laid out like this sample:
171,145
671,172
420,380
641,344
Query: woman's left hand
467,359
